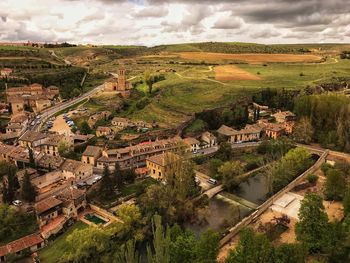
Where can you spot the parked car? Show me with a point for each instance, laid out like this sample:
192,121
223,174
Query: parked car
17,202
212,181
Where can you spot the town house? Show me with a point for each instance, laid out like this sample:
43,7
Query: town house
76,170
91,154
32,139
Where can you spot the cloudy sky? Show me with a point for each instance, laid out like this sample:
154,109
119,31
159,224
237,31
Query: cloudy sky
153,22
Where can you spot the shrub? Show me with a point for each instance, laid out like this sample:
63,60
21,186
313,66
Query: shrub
312,178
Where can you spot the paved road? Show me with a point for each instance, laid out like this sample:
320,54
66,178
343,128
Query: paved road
62,106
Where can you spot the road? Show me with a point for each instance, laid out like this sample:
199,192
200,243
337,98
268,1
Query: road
62,106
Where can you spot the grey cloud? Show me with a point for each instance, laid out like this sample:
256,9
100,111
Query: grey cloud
266,33
228,23
160,11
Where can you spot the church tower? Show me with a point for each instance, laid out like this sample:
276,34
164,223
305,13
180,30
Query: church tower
121,79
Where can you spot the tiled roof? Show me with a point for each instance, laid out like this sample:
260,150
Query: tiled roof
191,140
92,151
46,160
73,166
21,244
47,204
163,159
70,193
32,136
227,131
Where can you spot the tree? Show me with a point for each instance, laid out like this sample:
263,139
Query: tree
303,130
127,253
149,80
28,192
346,201
335,185
31,157
291,165
63,148
106,186
85,128
182,247
251,248
161,243
224,152
290,253
313,228
229,171
207,248
214,165
118,177
86,245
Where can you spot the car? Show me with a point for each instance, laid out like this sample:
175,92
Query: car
212,181
70,124
32,123
38,117
17,202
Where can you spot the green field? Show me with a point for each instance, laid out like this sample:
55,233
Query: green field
190,85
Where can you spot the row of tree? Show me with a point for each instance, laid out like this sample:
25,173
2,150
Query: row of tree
324,119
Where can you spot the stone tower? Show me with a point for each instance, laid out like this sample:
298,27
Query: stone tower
121,79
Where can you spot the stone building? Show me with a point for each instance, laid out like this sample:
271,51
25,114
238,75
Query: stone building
119,84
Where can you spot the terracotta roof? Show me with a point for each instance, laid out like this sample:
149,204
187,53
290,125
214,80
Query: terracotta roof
163,159
103,129
70,193
208,134
191,140
21,244
19,118
45,160
73,165
274,127
32,136
54,139
93,151
47,204
227,131
284,114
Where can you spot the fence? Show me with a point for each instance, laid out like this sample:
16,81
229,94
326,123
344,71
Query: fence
263,207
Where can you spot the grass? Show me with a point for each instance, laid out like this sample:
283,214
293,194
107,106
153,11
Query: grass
54,251
135,187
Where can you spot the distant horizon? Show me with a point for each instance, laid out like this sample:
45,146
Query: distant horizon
158,22
3,43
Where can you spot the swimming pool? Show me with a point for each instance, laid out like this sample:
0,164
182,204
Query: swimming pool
93,218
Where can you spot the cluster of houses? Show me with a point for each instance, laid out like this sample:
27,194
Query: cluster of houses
117,124
254,132
33,96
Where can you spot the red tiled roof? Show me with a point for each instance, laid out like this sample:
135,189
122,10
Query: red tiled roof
20,244
47,204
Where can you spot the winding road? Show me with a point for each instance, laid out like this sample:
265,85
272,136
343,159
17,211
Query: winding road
46,114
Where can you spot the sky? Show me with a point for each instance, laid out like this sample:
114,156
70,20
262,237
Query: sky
155,22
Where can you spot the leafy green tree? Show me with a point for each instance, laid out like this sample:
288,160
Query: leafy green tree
31,157
127,253
207,248
182,247
106,186
85,128
290,253
149,80
346,201
313,228
86,245
251,248
28,191
335,185
63,148
214,165
229,172
303,130
224,152
161,243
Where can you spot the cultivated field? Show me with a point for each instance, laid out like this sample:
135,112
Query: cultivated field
230,72
250,58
